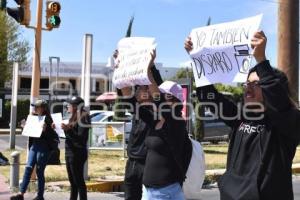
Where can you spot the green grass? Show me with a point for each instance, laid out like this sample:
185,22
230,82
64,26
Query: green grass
101,164
215,156
111,163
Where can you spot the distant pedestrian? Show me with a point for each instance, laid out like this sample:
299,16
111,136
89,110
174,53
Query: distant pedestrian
263,141
39,151
77,133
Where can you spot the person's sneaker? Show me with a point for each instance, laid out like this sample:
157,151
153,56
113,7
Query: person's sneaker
17,197
3,162
3,157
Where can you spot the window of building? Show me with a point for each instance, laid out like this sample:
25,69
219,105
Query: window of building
73,83
44,84
97,86
25,83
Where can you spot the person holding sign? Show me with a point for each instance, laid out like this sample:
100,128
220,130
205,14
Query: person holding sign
264,139
136,148
77,133
168,146
39,151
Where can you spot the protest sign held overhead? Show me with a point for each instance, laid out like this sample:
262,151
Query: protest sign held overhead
222,52
133,61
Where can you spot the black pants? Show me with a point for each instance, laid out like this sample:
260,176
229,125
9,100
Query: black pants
134,179
75,167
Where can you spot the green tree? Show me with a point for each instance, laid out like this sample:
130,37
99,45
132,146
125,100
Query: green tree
182,73
13,48
235,91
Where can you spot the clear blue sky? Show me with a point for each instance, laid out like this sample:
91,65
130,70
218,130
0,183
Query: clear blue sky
169,21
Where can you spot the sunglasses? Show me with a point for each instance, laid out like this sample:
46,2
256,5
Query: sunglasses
252,84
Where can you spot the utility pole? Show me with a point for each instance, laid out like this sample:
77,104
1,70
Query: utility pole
288,43
36,68
13,113
85,91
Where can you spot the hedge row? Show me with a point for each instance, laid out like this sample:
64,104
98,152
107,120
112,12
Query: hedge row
22,112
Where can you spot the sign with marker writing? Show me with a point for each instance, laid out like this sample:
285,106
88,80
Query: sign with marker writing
222,52
133,61
34,126
58,120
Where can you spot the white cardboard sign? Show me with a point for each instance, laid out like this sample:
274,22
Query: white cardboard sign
33,126
133,61
58,120
222,53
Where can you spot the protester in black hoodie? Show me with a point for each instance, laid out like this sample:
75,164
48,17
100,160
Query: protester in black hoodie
77,133
136,148
168,146
263,141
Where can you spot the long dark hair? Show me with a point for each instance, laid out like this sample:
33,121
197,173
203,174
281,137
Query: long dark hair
284,82
46,113
77,115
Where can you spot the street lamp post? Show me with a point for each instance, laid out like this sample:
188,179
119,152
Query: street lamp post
50,71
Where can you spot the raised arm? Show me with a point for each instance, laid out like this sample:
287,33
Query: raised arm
281,112
208,95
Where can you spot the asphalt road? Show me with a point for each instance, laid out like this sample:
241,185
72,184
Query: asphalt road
21,142
207,194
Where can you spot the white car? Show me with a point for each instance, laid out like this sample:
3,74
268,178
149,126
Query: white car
107,116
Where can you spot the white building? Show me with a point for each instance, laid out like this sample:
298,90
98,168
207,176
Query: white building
68,76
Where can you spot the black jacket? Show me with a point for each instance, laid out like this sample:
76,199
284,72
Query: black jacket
136,148
77,136
175,136
260,152
49,137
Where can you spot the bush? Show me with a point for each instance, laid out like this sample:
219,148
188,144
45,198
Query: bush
22,111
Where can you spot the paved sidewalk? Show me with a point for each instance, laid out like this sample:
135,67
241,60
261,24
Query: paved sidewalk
4,189
5,194
65,196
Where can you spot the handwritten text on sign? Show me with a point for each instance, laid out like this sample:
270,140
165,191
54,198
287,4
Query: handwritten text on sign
33,126
134,59
221,53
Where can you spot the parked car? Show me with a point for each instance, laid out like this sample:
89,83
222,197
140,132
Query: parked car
215,130
107,116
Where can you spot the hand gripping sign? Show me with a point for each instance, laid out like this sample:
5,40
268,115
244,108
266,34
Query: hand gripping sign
133,61
222,53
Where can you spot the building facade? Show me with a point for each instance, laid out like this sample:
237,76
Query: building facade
60,78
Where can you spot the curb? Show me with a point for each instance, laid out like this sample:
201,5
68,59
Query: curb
296,168
7,131
105,186
117,185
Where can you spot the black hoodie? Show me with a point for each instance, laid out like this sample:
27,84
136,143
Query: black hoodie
261,151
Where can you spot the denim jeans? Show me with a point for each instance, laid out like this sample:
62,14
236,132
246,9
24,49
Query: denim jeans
38,156
170,192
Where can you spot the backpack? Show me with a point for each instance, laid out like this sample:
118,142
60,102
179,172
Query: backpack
196,172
